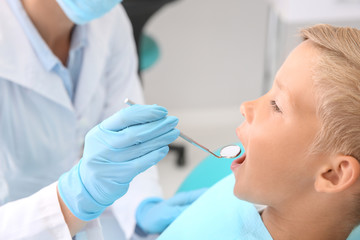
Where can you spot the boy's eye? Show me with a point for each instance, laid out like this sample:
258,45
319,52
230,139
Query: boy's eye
275,106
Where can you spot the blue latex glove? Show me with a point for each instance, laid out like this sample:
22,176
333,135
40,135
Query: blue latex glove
154,215
82,11
115,151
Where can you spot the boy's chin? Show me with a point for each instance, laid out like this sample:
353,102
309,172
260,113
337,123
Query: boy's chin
241,195
245,197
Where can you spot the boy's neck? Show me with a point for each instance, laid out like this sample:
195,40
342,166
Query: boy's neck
53,25
298,222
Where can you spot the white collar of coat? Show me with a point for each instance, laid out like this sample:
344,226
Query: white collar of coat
19,64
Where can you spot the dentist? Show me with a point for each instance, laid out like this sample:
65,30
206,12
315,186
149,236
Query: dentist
65,66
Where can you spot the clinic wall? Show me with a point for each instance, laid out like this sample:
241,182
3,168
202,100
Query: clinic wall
211,54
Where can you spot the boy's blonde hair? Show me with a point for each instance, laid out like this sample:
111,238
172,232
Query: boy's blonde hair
337,87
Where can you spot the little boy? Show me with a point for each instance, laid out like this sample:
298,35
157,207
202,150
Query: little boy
302,140
302,149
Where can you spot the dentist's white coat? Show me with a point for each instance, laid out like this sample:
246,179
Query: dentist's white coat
42,131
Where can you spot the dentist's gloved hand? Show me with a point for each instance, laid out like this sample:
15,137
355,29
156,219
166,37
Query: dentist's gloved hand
82,11
154,215
115,151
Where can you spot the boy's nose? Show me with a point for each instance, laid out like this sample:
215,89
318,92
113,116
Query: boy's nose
247,110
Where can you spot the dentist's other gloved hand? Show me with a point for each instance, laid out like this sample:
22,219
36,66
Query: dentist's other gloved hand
154,215
82,11
115,151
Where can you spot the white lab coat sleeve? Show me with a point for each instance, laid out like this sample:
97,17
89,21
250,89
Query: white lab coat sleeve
39,217
35,217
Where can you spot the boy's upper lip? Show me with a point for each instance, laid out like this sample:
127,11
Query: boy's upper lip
240,136
237,162
241,159
237,131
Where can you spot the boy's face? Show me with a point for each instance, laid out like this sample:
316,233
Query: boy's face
277,131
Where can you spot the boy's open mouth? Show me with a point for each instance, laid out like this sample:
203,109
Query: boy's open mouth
237,162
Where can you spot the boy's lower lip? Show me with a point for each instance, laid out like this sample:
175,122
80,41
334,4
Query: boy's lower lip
237,162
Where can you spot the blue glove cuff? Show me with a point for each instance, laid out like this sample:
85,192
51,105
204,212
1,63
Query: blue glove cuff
143,208
77,198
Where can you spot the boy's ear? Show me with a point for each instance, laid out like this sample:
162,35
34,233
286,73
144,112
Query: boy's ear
339,174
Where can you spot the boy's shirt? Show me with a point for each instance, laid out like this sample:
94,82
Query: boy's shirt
218,214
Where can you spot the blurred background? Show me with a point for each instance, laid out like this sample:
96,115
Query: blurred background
208,56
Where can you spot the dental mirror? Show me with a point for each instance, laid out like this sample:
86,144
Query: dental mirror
230,151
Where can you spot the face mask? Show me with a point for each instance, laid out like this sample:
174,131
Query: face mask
83,11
